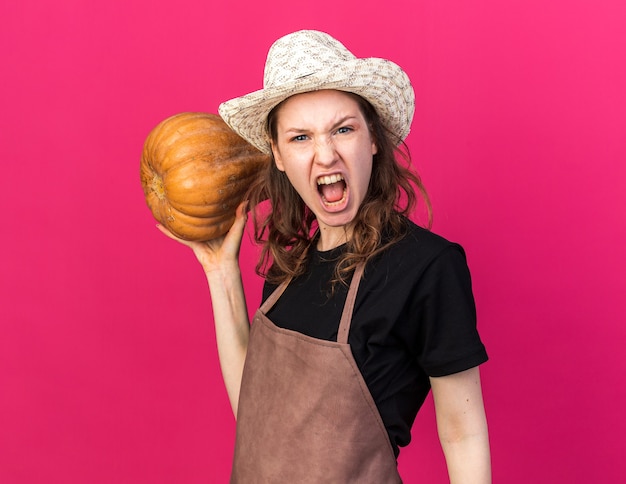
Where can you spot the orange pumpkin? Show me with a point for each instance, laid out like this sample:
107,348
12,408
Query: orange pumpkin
195,172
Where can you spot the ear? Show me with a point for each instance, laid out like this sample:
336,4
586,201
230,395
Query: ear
278,161
374,148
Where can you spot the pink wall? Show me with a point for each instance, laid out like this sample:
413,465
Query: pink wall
108,370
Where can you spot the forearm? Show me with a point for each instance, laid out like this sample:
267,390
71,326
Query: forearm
468,459
232,326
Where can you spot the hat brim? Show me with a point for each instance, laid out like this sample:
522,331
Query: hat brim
381,82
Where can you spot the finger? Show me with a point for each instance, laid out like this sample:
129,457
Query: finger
241,214
169,234
242,209
166,231
235,233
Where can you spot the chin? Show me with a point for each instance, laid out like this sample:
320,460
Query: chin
336,220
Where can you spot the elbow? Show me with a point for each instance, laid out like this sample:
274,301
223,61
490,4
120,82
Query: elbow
462,428
459,435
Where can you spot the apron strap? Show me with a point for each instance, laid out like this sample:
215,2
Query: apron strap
348,308
271,300
346,317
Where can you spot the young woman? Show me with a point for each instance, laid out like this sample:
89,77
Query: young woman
363,311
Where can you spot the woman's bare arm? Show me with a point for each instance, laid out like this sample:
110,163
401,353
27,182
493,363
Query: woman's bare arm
462,426
219,259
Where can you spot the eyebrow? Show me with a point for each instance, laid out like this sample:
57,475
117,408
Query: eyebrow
334,126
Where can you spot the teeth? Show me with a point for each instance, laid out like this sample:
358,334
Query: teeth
329,179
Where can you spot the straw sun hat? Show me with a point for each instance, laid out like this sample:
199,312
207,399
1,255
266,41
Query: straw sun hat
309,60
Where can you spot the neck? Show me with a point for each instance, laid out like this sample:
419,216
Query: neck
332,237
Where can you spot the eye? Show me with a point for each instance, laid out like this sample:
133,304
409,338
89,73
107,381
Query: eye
300,137
344,129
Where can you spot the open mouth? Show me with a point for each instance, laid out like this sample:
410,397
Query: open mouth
332,188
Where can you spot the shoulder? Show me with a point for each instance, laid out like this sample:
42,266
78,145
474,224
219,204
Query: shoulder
418,249
426,239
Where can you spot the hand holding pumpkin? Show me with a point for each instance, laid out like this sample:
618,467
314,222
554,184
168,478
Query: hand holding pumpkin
221,252
195,172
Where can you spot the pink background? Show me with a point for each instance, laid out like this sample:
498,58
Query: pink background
108,370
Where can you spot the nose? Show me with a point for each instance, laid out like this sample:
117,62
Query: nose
325,152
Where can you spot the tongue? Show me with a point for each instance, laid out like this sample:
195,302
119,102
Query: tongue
333,192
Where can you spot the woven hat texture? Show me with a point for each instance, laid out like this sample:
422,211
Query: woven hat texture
310,60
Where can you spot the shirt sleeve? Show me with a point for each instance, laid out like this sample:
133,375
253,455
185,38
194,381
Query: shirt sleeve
447,340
